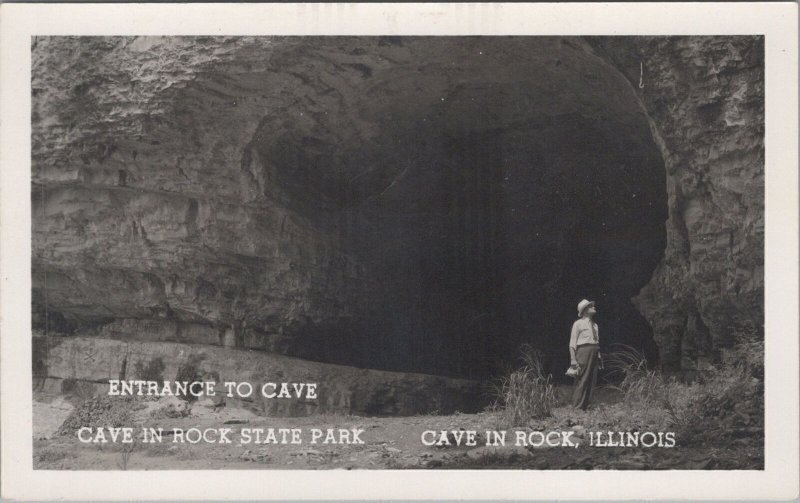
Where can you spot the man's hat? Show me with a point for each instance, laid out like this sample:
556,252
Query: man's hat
582,305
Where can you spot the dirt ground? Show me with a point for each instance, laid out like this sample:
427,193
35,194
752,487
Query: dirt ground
388,443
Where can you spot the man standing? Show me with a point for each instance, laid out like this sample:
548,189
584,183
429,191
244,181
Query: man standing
584,352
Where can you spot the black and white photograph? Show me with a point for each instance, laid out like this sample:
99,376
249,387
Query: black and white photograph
397,252
426,231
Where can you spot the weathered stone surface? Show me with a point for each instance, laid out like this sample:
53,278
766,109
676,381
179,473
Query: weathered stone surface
363,201
369,201
705,100
341,389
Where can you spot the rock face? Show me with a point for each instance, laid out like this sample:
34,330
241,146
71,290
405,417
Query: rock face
71,361
705,100
415,204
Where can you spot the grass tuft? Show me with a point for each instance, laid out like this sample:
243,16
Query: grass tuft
525,393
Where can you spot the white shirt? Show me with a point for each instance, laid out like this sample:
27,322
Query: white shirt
584,331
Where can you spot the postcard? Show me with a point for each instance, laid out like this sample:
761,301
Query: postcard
418,251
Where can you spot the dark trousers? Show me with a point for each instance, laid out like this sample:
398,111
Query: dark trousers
585,383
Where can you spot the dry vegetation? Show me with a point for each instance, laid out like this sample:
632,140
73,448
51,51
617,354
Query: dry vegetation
729,396
718,417
718,420
525,393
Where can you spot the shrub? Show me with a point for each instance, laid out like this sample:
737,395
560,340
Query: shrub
171,410
728,395
732,393
153,371
77,390
189,372
747,355
125,452
637,382
525,393
101,411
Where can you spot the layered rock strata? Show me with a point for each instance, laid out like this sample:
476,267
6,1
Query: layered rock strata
66,364
704,98
417,204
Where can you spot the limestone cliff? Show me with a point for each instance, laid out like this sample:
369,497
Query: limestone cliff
84,365
418,204
704,97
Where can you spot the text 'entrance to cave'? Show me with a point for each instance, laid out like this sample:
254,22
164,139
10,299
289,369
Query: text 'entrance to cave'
478,202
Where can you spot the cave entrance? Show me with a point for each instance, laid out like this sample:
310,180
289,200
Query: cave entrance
482,201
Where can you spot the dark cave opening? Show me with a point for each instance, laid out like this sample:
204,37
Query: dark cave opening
428,205
481,211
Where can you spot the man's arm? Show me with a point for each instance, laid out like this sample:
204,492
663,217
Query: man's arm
573,344
599,354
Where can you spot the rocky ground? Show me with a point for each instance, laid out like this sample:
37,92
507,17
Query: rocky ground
389,442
